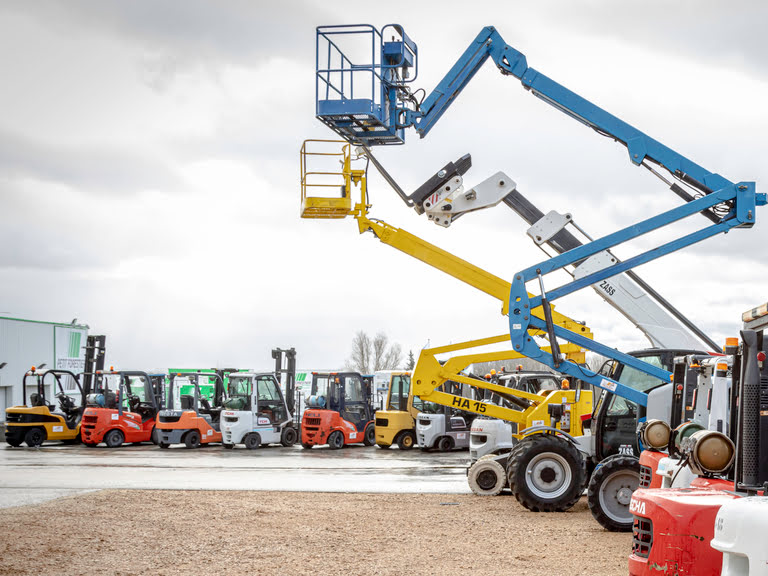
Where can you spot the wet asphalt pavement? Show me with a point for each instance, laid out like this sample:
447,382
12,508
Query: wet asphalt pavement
28,475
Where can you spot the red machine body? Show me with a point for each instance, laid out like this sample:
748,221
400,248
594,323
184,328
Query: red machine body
649,463
673,528
98,421
317,425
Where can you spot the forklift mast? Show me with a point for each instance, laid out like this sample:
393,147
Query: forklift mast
290,374
95,349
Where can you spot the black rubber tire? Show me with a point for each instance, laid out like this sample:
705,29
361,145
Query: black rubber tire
445,444
164,445
15,442
487,477
192,439
114,439
34,437
289,436
155,436
228,446
252,441
549,455
369,436
306,446
610,490
336,440
406,440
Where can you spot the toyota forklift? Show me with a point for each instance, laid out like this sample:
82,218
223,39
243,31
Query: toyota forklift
38,422
338,412
123,409
190,418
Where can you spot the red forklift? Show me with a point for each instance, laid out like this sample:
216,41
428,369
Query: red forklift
338,412
123,408
189,418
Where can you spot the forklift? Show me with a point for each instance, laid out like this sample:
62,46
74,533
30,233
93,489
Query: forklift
38,422
446,428
255,412
190,418
338,412
396,423
124,412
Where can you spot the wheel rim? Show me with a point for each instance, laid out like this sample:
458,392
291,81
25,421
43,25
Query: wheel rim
36,437
407,441
487,479
548,475
615,494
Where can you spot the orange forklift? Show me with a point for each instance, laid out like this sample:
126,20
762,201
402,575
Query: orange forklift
123,409
338,412
190,418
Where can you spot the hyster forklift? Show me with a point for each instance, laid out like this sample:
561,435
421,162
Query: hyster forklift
123,411
256,413
338,412
396,424
38,422
190,418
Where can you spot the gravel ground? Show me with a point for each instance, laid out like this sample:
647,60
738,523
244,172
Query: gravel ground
129,532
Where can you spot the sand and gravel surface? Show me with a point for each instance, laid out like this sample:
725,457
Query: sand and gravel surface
158,532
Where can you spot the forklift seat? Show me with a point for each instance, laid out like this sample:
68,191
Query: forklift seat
187,402
205,406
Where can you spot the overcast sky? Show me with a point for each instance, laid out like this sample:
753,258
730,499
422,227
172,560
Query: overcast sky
149,173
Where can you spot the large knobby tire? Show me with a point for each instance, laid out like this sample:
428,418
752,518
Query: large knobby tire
252,441
114,439
336,440
34,437
487,477
546,473
192,439
369,439
445,444
406,440
610,490
289,436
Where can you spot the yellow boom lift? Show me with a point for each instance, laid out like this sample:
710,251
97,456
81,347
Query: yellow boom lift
563,410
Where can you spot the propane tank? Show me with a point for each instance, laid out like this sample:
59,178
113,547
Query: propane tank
316,401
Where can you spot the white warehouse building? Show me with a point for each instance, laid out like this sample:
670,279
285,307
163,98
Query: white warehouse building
27,343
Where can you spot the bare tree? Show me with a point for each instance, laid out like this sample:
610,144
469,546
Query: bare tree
411,362
369,355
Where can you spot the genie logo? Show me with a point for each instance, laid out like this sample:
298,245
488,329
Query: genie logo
637,507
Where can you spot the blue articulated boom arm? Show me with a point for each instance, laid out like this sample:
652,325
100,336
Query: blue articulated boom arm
742,198
490,44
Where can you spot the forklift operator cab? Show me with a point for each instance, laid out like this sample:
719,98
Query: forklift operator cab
338,411
256,413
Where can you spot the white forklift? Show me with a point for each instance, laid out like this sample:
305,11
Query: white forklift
445,428
256,413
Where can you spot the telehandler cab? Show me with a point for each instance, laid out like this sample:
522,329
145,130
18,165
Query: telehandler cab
338,412
123,408
190,418
255,413
38,422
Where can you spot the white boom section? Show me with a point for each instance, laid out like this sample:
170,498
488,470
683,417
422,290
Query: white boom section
621,292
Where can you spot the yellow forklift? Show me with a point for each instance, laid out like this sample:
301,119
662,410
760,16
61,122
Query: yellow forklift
396,424
40,421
